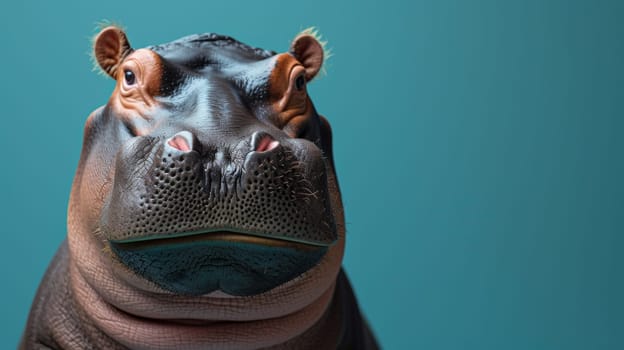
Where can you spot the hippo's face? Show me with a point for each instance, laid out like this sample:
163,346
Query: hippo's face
209,168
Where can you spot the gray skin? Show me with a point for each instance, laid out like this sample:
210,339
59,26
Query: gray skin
205,212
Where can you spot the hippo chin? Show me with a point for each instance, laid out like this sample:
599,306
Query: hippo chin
205,212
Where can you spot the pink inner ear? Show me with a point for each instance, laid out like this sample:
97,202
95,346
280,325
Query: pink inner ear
180,143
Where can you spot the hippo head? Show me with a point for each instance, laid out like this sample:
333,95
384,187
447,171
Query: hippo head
209,168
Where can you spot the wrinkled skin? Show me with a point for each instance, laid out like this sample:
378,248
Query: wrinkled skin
205,211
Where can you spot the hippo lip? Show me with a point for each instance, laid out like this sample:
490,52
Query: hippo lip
216,233
199,263
212,235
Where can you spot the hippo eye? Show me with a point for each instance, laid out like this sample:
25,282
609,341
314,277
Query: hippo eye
129,77
300,82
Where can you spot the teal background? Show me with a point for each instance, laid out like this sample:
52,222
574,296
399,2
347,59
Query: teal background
478,145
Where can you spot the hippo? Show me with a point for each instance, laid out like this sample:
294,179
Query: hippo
205,212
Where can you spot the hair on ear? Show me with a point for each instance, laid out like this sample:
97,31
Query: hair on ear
99,26
314,32
310,49
110,48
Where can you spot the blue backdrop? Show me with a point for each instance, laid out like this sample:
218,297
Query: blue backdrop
478,145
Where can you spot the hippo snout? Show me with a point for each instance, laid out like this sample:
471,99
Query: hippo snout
178,188
220,169
255,185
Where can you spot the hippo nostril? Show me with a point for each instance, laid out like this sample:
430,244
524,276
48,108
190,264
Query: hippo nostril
266,144
262,142
182,141
179,143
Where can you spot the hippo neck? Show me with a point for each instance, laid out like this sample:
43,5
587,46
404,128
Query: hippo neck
149,333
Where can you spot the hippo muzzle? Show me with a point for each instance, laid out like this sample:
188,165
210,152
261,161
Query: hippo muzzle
242,216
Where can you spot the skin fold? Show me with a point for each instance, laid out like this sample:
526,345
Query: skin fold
205,212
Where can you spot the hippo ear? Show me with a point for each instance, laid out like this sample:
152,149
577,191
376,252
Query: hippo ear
110,48
308,49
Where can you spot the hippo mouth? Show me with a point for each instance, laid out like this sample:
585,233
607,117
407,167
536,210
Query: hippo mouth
235,263
241,220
